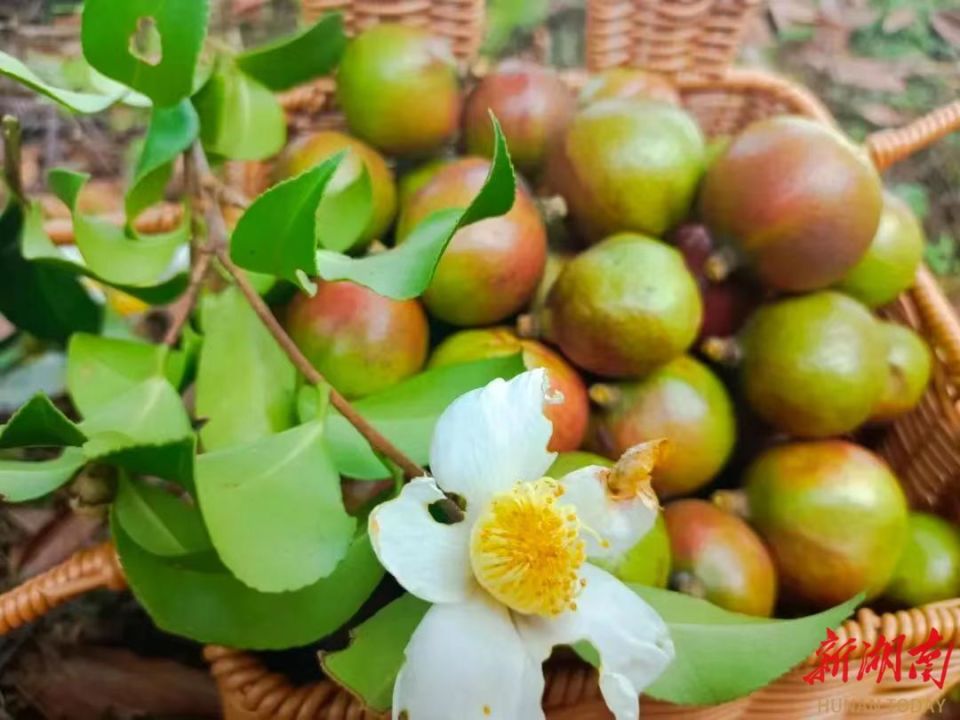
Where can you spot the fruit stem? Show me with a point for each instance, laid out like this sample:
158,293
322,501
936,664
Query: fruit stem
12,169
604,394
552,208
719,265
688,584
732,501
528,326
723,351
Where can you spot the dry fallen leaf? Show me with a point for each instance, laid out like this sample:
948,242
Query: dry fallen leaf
882,115
947,25
899,19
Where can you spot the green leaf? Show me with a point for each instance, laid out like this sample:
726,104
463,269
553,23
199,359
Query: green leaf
368,668
172,130
295,60
277,234
144,430
151,46
246,386
197,598
80,102
107,250
344,213
275,510
406,271
59,305
406,413
39,423
99,368
717,658
240,119
37,247
21,480
158,521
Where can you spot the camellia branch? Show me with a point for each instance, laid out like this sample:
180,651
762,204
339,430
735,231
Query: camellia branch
181,312
217,244
11,157
370,433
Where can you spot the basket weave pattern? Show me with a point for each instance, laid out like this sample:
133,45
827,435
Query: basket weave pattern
692,41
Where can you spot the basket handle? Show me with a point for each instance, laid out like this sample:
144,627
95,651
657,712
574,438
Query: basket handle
888,147
85,570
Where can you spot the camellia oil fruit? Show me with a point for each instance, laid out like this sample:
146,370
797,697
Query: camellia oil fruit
909,364
310,150
628,83
361,342
929,569
628,165
534,107
569,417
718,557
813,365
490,269
891,262
683,402
833,515
398,89
795,199
623,307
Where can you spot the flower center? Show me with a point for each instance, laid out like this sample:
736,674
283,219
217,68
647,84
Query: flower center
526,549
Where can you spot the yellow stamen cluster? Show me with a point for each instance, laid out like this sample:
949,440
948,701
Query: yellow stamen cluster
526,549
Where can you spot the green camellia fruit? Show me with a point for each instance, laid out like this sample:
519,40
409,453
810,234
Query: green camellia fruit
813,365
796,199
490,269
647,562
533,106
361,342
623,307
313,149
569,417
628,83
909,364
628,165
682,402
891,262
722,558
832,514
398,88
929,570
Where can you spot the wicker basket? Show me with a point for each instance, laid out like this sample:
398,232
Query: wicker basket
692,41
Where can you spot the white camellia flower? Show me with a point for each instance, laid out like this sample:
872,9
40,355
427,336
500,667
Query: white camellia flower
513,578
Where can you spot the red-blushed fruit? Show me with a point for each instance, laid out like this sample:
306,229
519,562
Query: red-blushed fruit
728,563
682,402
623,307
628,83
411,181
796,199
726,303
832,514
398,88
310,150
361,342
491,269
532,104
569,417
628,166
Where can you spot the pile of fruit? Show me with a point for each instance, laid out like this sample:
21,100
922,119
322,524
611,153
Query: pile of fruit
719,294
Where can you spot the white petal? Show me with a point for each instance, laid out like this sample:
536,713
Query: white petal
612,526
632,640
429,559
493,437
466,661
